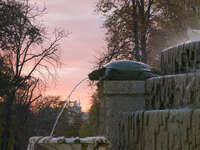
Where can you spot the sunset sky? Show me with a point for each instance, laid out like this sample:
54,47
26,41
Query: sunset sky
79,49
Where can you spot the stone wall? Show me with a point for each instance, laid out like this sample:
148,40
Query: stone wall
182,87
175,129
173,91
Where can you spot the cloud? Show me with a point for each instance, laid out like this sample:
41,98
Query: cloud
70,7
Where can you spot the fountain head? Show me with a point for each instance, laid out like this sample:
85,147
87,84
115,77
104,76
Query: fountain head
123,70
96,74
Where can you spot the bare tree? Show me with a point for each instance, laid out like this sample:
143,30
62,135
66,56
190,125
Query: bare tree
24,42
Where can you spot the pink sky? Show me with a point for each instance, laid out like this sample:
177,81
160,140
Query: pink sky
79,48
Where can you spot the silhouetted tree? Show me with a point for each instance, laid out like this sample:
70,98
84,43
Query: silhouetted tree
91,127
28,50
47,110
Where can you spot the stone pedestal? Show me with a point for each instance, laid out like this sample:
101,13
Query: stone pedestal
116,98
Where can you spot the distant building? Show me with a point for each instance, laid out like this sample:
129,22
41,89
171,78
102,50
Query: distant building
74,106
75,113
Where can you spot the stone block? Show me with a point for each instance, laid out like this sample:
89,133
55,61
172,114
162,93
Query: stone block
123,87
49,146
117,97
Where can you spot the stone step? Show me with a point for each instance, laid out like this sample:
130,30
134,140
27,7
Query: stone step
176,129
173,91
182,58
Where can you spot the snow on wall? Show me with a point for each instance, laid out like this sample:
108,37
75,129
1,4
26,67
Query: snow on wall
61,143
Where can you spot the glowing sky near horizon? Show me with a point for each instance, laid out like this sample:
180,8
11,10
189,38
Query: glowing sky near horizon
79,49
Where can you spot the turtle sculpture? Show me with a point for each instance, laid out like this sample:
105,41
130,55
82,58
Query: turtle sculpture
124,70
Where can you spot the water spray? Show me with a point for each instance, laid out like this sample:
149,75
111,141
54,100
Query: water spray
59,115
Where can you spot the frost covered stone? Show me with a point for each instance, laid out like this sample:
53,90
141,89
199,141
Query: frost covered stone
61,143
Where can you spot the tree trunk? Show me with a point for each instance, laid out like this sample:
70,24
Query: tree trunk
145,15
7,137
143,31
135,32
143,47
